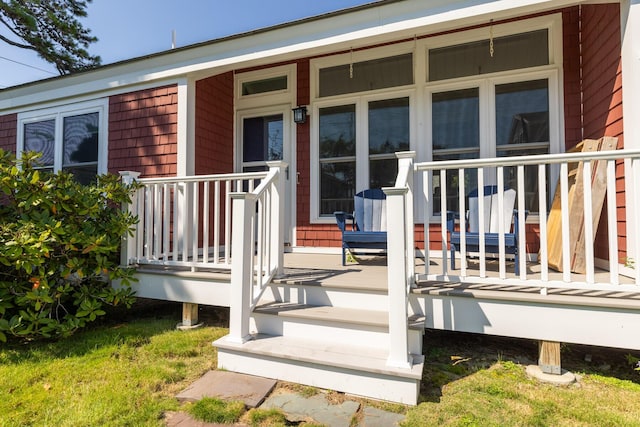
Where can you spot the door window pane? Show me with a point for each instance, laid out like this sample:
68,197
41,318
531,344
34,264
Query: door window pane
337,131
337,187
456,135
509,53
367,75
522,128
337,138
263,138
388,133
40,137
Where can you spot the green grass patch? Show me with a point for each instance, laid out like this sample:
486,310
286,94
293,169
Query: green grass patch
503,395
111,375
214,410
266,417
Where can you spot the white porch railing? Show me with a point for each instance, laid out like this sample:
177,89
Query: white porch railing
257,247
619,166
186,221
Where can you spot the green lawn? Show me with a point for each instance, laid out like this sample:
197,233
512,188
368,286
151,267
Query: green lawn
127,373
114,375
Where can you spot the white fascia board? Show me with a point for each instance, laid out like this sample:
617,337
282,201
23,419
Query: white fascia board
384,23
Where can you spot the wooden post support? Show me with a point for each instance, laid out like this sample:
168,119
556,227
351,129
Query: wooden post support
549,357
189,316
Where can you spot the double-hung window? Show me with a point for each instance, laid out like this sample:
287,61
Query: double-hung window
360,127
69,138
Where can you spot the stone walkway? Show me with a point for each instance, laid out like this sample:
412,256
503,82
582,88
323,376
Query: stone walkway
258,392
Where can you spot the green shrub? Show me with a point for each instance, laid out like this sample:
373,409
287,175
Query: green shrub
59,249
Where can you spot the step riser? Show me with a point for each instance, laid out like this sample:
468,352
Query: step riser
365,384
319,295
334,332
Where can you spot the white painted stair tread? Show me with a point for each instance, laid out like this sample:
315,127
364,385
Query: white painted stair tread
357,358
335,314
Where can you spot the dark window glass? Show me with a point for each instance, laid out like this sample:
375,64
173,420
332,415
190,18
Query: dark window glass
265,85
337,131
456,135
337,128
337,187
263,138
522,128
388,133
40,137
367,75
80,139
509,53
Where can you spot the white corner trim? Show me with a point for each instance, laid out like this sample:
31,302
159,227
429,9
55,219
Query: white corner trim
186,125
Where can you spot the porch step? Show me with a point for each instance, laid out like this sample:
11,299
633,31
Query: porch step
338,325
344,295
355,369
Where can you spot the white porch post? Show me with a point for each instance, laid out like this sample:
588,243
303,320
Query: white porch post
400,259
397,278
277,217
630,61
244,205
128,246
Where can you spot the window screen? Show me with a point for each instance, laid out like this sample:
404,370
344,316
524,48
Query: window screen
367,75
509,53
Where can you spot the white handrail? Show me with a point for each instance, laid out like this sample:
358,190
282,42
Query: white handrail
186,221
605,169
257,246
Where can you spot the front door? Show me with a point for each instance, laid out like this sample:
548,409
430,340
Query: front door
264,135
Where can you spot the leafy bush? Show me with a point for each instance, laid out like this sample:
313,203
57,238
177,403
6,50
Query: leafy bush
59,249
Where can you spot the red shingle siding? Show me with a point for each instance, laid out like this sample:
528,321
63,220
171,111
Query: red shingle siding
308,234
571,76
9,132
143,132
602,94
214,125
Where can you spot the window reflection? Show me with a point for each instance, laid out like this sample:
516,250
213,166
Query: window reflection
456,135
337,132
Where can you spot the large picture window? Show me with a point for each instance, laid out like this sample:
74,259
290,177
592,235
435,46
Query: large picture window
68,140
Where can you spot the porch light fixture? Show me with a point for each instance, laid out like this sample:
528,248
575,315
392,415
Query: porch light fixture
300,114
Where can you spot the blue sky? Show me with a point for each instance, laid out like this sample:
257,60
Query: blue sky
132,28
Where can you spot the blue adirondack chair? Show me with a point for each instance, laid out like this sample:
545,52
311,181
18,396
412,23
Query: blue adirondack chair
368,222
491,225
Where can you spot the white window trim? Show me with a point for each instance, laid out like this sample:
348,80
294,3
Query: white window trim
266,98
58,113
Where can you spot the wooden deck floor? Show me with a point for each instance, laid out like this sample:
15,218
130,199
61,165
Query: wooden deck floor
370,270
